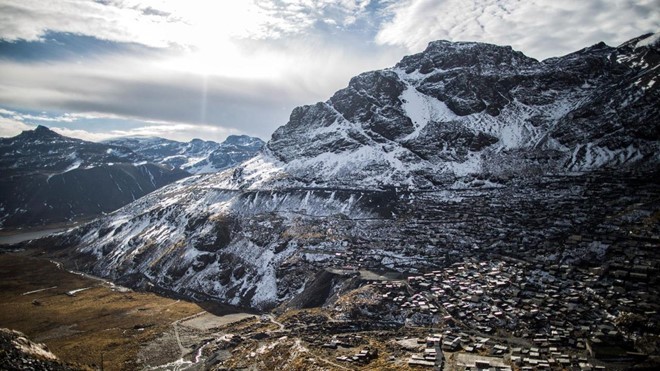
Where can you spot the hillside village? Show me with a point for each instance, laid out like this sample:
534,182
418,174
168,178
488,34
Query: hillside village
579,289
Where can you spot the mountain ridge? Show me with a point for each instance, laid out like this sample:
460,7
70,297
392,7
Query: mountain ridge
442,84
379,176
197,156
50,178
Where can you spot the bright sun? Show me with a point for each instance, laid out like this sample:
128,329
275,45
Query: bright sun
211,32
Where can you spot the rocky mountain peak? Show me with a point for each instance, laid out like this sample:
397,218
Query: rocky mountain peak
243,140
471,108
481,57
43,130
40,132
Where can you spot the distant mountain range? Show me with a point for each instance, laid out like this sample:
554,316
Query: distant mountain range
49,178
197,156
373,173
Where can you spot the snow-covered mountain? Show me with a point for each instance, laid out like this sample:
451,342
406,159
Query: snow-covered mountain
197,156
50,178
460,109
389,169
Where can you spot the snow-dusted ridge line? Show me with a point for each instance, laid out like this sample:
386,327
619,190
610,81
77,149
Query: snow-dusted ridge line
50,178
455,121
197,156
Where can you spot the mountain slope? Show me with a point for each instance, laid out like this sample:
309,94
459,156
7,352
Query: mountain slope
463,148
196,156
49,178
234,150
468,108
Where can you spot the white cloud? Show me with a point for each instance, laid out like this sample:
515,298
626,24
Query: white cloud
539,28
173,131
252,91
81,134
10,127
237,70
13,123
31,19
200,24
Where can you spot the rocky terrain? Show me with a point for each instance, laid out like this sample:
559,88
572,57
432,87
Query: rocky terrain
197,156
461,109
507,199
17,352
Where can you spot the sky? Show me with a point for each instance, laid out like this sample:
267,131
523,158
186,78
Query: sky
184,69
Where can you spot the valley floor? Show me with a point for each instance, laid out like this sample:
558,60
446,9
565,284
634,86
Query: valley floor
86,321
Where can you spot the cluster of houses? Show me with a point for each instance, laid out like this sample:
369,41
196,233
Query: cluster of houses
544,272
432,356
563,313
364,356
343,340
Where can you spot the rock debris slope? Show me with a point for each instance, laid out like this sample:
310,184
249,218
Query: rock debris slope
17,352
363,173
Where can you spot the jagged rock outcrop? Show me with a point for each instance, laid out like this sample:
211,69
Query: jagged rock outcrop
17,352
471,108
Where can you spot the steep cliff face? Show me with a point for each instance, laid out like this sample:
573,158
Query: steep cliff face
219,244
406,168
468,108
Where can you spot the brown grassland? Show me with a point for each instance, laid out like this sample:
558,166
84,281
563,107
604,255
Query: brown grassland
98,322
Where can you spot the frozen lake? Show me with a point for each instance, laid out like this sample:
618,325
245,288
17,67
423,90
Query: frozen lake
27,235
